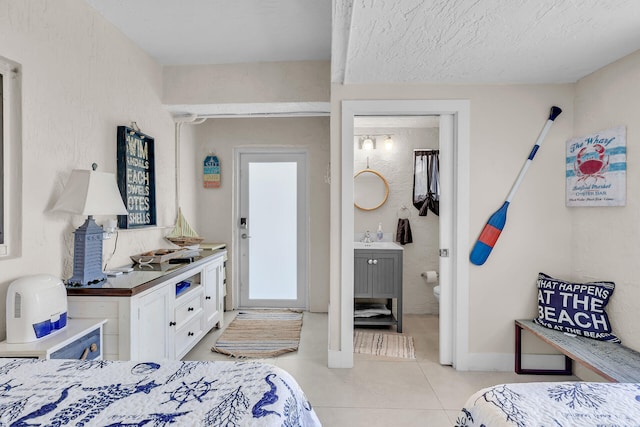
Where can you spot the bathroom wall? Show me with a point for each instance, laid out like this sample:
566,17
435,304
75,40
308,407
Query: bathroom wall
396,165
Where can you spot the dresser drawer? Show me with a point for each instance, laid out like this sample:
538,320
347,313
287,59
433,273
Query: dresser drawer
188,334
87,347
191,305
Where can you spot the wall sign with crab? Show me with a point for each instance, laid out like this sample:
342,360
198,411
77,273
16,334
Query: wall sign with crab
597,168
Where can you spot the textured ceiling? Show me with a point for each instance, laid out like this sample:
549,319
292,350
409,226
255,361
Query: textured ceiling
473,41
390,41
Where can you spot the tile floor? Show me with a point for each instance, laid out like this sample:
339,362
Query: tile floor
377,391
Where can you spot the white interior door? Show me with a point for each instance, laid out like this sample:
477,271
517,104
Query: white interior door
447,308
273,229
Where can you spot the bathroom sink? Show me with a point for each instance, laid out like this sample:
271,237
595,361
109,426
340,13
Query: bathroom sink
378,245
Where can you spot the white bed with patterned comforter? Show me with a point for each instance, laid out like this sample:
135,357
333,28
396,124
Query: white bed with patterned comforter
558,404
121,393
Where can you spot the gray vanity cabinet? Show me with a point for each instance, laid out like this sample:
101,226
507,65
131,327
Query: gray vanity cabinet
378,274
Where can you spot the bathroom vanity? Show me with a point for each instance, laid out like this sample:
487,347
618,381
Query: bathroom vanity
377,271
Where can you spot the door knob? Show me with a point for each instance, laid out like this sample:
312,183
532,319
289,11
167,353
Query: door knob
375,262
245,236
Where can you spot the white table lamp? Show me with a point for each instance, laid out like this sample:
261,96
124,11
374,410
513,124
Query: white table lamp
89,192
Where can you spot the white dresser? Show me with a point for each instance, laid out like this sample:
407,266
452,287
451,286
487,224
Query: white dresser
155,312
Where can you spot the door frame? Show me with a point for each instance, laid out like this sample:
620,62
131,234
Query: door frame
454,305
236,200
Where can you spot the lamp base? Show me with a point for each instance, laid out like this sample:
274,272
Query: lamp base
87,254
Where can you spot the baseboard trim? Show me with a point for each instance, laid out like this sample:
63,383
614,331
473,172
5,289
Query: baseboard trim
340,359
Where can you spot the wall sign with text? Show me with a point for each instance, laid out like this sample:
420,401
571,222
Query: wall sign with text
211,172
597,168
136,178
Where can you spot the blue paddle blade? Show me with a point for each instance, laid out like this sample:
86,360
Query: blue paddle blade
480,253
489,236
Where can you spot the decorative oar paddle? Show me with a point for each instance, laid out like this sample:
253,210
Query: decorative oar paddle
491,231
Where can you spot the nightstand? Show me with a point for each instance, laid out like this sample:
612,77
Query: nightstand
80,339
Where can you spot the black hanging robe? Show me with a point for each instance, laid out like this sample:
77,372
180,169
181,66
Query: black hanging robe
426,181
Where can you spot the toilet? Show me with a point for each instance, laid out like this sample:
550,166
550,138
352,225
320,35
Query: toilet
432,277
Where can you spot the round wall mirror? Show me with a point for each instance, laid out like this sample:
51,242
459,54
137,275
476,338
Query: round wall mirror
370,190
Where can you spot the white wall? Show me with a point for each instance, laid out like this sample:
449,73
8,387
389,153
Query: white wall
605,239
190,176
298,81
254,84
81,79
215,206
397,168
505,122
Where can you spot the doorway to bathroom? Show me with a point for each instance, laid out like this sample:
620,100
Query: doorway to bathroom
272,228
404,151
454,233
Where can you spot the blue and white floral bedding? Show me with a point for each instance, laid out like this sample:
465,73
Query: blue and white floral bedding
559,404
120,393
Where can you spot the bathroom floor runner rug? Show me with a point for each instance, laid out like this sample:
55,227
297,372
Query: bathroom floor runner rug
261,334
389,345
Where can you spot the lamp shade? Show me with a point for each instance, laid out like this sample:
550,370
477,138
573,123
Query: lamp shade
91,193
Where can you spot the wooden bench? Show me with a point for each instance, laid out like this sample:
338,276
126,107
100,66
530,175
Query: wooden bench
609,360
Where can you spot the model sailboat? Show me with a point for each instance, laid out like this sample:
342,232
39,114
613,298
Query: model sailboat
183,234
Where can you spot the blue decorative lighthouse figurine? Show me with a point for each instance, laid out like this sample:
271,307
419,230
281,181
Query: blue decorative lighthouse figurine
87,249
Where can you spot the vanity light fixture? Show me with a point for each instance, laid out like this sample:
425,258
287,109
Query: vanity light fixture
367,143
388,143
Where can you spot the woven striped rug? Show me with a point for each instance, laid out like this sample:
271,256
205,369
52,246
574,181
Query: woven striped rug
261,333
378,344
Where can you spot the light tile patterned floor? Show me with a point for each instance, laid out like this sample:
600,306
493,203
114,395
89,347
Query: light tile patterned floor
377,391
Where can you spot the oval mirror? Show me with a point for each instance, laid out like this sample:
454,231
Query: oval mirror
370,190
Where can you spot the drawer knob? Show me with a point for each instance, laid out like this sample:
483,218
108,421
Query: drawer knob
190,309
190,334
172,323
207,297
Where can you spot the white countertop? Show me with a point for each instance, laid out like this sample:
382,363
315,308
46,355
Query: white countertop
378,245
